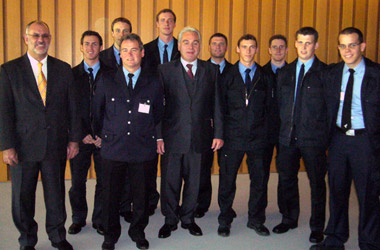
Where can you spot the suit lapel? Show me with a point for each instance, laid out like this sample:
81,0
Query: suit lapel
199,75
179,80
121,81
156,53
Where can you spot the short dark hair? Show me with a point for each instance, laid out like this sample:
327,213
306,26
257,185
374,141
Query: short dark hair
352,30
218,35
133,37
122,20
91,33
246,37
166,11
278,37
308,31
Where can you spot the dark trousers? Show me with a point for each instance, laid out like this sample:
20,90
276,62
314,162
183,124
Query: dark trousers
79,166
205,186
229,163
113,184
351,158
268,154
288,164
174,169
24,182
153,195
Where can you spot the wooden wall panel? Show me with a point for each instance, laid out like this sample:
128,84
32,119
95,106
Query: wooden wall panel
68,19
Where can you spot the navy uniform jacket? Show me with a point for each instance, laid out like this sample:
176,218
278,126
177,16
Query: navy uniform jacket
128,135
108,58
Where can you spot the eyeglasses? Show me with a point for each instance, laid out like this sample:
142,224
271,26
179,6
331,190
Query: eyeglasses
38,36
350,46
281,47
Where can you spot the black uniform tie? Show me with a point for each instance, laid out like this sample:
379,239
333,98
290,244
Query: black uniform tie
346,113
247,80
130,83
166,57
297,107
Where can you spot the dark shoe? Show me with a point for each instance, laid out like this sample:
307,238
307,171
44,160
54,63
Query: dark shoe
224,231
75,228
142,243
63,245
322,246
27,248
193,228
127,216
283,228
107,245
316,237
99,229
259,228
166,230
151,210
199,213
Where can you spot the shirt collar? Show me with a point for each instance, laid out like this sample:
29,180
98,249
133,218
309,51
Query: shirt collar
184,63
34,61
136,74
275,67
359,69
308,64
242,68
95,67
161,43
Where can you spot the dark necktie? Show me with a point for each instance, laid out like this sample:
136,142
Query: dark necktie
346,113
92,92
247,80
91,79
297,105
190,72
130,83
166,57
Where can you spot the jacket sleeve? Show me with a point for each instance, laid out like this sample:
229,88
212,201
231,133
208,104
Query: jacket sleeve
7,112
75,130
98,106
218,106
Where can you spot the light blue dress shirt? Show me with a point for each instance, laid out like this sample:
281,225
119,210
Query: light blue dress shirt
222,65
134,78
242,69
117,54
357,121
308,65
95,68
169,49
274,67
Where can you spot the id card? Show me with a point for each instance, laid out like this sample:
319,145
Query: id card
144,108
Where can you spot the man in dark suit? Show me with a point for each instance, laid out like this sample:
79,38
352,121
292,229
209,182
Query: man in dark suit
163,49
120,27
353,99
128,105
246,96
85,75
217,47
278,49
39,130
303,133
192,123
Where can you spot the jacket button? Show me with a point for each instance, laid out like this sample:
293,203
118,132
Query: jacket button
128,100
129,111
129,122
113,99
128,133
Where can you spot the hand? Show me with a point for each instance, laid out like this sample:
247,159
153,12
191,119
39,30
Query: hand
161,147
217,144
98,141
72,150
10,157
88,139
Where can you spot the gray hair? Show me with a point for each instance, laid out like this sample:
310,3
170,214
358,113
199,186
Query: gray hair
189,29
36,22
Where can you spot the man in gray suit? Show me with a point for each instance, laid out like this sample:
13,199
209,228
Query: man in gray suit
39,131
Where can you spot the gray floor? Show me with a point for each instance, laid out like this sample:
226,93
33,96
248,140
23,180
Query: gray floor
241,237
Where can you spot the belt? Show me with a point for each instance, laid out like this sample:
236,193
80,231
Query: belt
351,132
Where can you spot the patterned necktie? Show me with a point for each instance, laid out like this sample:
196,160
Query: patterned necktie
190,72
42,83
166,57
346,113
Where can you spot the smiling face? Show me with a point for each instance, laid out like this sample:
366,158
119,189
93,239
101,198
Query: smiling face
90,49
189,46
306,47
218,47
278,50
352,51
247,51
38,41
131,55
120,29
165,24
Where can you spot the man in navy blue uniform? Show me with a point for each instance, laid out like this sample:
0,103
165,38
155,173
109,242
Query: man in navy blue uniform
353,99
128,104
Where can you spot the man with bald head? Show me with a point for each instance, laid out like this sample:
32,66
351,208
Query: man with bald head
39,131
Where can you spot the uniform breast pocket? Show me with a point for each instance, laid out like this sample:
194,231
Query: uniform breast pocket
114,105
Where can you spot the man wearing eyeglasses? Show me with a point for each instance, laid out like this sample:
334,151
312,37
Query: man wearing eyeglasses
353,98
303,133
39,131
278,49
